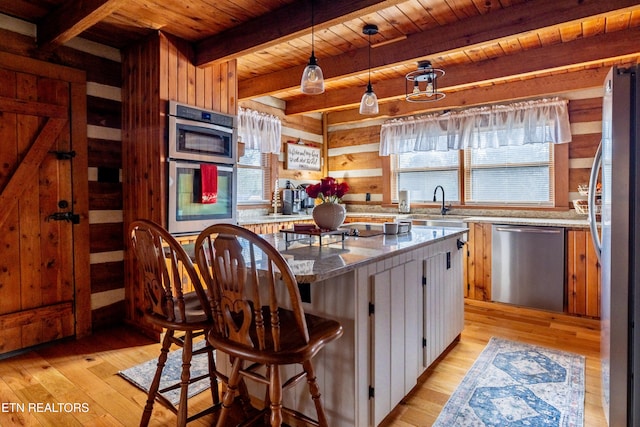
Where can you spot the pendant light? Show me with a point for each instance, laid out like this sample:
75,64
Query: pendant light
369,102
312,82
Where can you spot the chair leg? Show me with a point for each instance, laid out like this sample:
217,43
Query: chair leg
187,350
315,392
155,384
215,394
275,395
232,386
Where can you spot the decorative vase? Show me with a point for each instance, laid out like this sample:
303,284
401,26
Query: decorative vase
329,216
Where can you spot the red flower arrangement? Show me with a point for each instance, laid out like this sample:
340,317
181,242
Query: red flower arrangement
328,190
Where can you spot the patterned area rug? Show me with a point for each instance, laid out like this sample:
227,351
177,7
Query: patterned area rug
516,384
142,375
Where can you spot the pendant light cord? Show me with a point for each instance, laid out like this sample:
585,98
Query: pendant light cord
312,31
369,59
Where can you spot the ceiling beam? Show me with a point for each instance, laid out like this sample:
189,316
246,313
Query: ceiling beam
522,89
282,25
543,59
72,18
500,24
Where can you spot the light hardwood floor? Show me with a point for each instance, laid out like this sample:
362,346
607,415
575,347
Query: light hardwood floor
85,372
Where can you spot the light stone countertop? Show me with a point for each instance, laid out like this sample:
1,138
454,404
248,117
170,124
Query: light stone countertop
540,222
507,220
271,218
314,262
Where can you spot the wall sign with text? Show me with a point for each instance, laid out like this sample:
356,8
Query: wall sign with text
302,157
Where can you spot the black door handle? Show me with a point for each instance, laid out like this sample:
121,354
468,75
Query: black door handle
64,216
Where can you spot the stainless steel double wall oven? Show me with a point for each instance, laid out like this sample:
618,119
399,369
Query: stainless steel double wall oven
200,139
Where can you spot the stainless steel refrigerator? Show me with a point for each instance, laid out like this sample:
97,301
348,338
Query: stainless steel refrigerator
617,167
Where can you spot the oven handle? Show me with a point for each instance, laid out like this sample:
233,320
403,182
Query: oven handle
173,121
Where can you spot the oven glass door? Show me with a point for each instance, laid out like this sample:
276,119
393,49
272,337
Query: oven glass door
190,140
187,214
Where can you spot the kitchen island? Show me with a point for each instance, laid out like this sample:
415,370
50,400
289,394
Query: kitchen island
399,299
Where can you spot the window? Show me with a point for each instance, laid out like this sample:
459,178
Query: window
514,175
254,176
508,153
421,172
520,175
261,136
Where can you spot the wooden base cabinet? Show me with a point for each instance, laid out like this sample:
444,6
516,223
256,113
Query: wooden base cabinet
583,275
478,262
582,286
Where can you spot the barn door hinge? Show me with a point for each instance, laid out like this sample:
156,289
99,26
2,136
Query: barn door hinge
371,392
372,308
64,155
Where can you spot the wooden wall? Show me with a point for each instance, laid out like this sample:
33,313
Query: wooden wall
104,77
155,71
353,149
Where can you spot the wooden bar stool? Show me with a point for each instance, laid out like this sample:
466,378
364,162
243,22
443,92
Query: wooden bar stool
163,266
259,317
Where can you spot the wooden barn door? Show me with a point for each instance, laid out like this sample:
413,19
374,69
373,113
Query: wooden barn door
37,202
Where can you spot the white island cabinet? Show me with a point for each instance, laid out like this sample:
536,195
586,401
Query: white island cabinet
400,301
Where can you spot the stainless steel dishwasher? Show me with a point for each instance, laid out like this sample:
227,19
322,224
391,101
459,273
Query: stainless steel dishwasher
527,266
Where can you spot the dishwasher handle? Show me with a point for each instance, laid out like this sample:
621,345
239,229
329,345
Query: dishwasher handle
530,229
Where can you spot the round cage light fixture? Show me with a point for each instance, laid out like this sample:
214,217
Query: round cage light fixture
421,85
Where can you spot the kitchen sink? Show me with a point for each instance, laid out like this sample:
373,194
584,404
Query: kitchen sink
440,222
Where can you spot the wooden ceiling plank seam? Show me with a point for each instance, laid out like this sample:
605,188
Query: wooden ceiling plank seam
440,11
419,17
579,51
280,25
72,18
464,34
463,8
400,22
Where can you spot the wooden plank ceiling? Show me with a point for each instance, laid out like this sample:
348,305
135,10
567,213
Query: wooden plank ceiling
479,43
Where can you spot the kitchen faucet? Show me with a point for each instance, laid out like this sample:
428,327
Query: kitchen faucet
444,209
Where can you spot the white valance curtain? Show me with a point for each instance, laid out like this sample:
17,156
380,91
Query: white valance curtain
259,131
529,122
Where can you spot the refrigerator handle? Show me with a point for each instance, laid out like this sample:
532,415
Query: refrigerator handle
593,224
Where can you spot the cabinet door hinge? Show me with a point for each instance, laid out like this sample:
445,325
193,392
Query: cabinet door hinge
371,392
372,308
424,343
424,281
